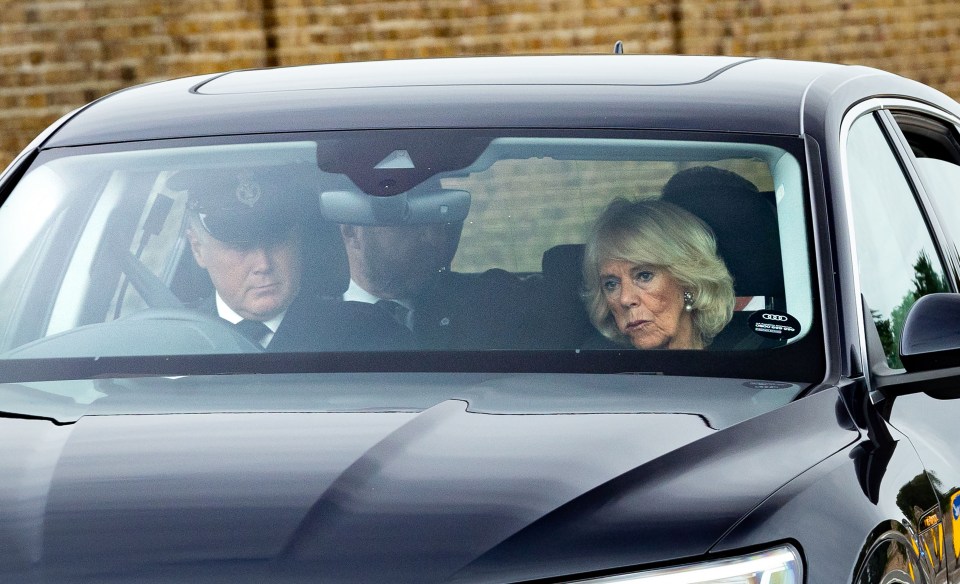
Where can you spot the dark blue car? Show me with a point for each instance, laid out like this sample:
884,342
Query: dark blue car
599,319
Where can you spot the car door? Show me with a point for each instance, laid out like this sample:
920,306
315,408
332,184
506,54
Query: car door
904,250
930,146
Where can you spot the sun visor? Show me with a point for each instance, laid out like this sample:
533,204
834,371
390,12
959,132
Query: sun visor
356,208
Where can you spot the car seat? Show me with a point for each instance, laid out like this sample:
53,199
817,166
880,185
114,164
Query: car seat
744,223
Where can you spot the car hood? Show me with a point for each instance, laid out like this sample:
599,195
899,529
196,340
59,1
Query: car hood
449,478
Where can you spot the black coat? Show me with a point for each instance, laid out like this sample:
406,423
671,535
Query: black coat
487,311
491,310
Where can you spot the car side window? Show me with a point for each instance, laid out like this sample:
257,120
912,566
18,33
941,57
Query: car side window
936,151
898,260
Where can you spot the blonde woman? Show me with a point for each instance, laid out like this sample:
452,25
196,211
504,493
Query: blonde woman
653,278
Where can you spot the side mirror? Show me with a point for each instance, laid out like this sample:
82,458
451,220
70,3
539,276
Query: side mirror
929,350
931,333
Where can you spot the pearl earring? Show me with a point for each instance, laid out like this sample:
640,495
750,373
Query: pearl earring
688,301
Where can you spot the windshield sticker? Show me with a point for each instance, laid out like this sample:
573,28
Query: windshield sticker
774,325
769,385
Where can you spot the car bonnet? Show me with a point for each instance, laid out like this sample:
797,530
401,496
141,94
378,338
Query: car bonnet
484,484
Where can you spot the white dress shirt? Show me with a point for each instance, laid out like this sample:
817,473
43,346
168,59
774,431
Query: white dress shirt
355,293
228,314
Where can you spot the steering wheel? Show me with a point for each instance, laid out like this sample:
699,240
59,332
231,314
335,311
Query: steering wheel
154,331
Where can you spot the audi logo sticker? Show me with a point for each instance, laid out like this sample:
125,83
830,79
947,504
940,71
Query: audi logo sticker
775,325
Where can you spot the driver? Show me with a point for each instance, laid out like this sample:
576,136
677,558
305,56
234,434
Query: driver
244,229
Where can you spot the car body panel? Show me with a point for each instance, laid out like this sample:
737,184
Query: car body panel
659,70
711,102
157,111
328,492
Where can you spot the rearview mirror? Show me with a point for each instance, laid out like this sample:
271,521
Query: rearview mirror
356,208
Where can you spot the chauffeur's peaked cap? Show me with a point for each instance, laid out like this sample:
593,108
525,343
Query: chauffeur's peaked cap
249,205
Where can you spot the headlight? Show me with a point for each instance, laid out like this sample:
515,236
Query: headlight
779,565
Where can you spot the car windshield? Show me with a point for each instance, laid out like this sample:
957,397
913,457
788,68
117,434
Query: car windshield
428,250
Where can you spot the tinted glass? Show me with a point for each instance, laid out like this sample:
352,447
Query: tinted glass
477,240
936,151
898,260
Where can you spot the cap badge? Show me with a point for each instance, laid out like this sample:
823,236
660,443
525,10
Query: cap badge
248,192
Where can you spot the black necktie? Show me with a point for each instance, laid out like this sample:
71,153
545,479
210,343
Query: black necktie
253,330
396,310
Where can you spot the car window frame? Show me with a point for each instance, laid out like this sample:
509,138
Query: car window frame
880,109
928,205
949,234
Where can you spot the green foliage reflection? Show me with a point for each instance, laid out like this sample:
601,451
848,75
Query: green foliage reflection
926,280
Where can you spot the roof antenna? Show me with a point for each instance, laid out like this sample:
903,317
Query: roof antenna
618,48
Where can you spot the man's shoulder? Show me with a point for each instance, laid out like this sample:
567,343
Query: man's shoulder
328,306
320,323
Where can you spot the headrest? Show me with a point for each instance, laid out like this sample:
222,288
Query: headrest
564,263
744,223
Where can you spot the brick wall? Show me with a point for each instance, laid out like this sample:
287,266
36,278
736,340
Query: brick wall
917,39
56,55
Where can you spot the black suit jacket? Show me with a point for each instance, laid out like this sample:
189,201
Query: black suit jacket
332,324
313,324
493,310
487,311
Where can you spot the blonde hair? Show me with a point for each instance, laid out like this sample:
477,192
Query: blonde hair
659,233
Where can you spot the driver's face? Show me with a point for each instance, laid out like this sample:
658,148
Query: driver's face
397,261
258,282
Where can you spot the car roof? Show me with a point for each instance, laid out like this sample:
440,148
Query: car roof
735,94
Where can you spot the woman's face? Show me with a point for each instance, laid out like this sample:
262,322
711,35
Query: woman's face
647,305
